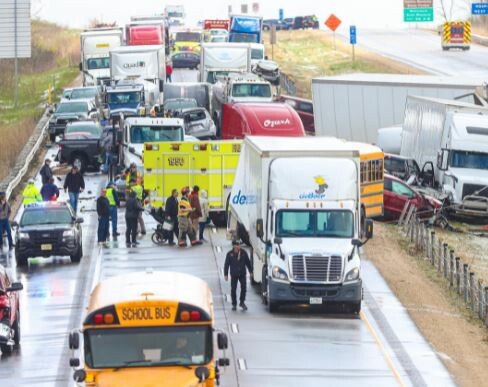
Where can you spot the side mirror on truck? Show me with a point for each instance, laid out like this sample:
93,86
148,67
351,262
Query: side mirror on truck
442,159
259,229
368,225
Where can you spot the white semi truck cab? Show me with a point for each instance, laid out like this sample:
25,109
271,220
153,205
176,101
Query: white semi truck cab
296,202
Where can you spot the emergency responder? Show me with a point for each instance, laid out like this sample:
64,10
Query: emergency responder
197,209
46,172
132,175
49,191
171,213
113,200
31,194
237,260
184,224
136,186
5,212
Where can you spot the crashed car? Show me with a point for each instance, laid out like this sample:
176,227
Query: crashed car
268,70
198,123
397,193
9,312
69,111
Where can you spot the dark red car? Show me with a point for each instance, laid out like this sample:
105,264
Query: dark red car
9,312
304,108
397,193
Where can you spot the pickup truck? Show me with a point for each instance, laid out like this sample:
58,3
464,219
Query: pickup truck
80,145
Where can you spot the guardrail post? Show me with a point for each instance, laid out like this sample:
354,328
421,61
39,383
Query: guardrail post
432,247
440,256
427,244
451,268
465,282
412,229
486,305
445,258
472,290
481,309
458,275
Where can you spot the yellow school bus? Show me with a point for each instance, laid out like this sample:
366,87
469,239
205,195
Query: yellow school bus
148,329
209,164
372,179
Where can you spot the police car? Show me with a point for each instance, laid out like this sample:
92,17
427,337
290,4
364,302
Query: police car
48,229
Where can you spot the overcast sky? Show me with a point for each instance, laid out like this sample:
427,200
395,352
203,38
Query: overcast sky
363,13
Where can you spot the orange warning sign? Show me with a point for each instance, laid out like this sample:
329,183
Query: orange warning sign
333,22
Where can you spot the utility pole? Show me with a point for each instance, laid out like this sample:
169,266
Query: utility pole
16,59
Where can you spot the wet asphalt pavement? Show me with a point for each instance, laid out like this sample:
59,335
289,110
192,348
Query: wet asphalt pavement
382,347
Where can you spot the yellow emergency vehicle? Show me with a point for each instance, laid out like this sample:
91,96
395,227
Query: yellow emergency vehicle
456,34
148,329
209,164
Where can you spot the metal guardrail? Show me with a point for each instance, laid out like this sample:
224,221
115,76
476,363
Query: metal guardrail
29,151
479,39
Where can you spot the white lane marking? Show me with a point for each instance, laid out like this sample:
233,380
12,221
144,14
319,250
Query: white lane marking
242,364
234,328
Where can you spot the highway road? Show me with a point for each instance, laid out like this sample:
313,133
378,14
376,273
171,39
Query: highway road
422,49
381,347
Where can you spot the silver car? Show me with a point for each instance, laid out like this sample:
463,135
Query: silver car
198,123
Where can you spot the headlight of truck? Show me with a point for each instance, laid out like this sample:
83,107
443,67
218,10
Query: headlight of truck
23,235
68,234
353,275
279,273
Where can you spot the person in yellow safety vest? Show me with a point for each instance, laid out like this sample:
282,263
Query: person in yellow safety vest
132,175
136,186
31,193
113,200
184,223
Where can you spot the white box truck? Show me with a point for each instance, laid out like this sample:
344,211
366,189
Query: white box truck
139,62
355,106
220,59
95,46
296,202
449,140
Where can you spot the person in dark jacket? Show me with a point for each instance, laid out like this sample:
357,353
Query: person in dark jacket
103,211
171,212
74,184
132,210
49,191
5,213
197,209
237,260
46,172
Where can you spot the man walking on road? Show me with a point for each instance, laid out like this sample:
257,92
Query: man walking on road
113,199
50,191
169,72
132,210
31,193
171,212
103,211
74,184
197,209
237,260
4,221
46,172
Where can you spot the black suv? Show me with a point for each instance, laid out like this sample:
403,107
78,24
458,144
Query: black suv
47,229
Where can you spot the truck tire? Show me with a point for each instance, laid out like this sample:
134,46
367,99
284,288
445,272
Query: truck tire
80,161
272,305
75,258
219,219
16,328
21,260
6,349
243,234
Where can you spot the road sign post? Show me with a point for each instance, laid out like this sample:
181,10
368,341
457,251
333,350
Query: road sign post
272,40
353,41
281,14
332,23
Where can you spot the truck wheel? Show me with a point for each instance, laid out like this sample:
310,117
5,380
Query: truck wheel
272,305
218,219
79,161
21,260
75,258
6,349
16,328
243,234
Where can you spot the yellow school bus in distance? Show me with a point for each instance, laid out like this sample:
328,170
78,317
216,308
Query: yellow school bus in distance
148,329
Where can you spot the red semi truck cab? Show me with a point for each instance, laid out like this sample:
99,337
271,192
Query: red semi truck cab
260,119
144,35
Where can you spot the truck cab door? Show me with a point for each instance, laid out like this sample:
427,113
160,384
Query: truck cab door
427,175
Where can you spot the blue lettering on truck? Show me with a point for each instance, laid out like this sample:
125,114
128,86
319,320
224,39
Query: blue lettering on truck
241,199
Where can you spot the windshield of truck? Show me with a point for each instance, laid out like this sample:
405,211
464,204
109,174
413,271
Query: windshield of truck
124,98
46,216
175,14
244,38
72,107
98,63
148,347
179,104
187,37
251,90
466,159
218,39
213,75
142,134
257,53
88,128
86,92
315,223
